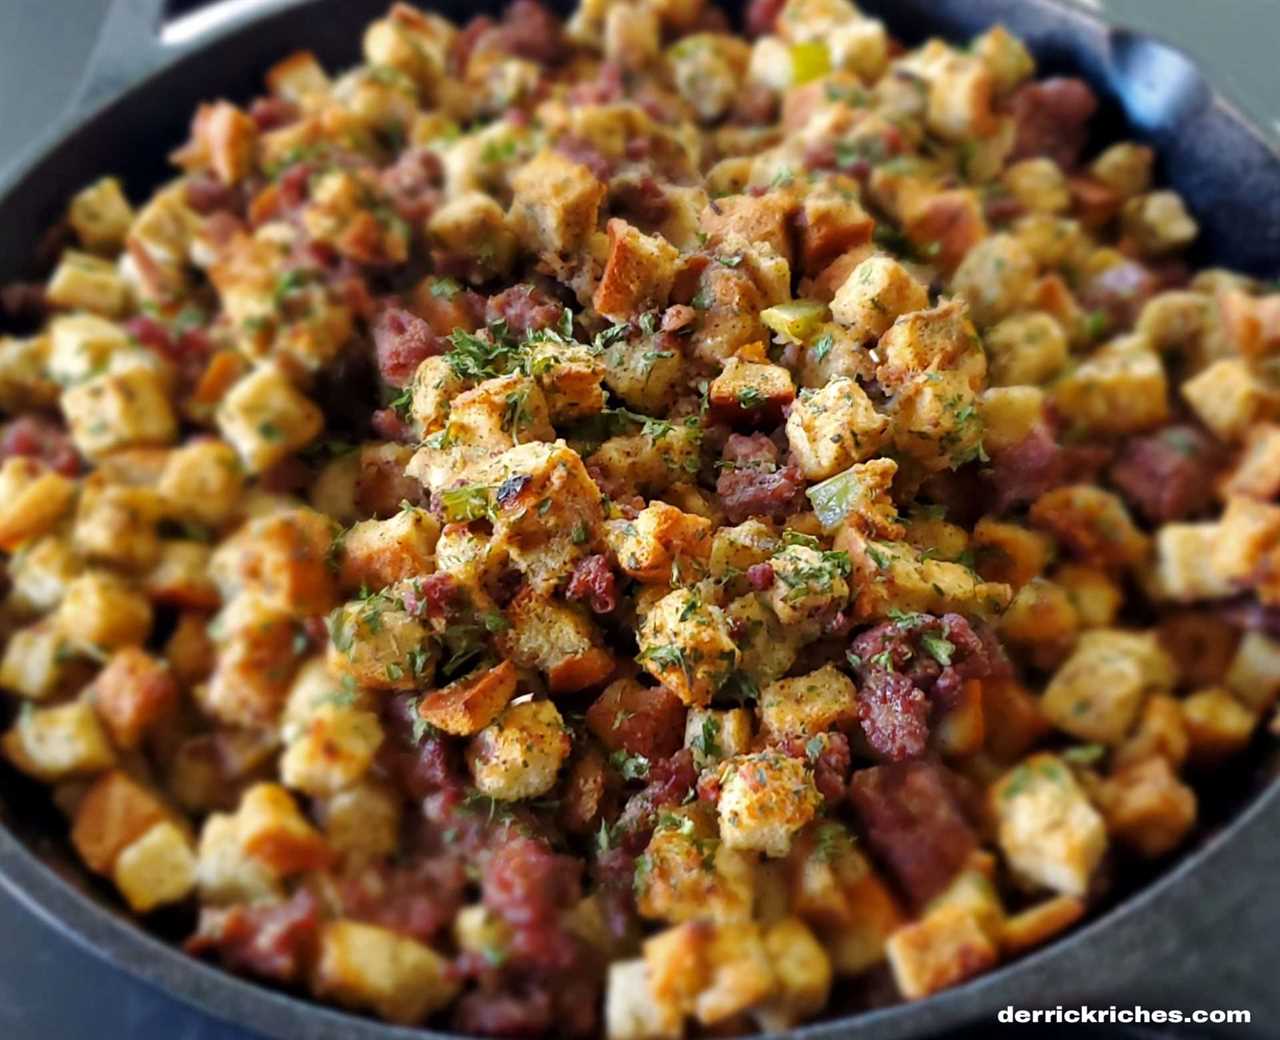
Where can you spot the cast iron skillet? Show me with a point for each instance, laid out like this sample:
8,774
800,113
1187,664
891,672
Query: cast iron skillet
135,103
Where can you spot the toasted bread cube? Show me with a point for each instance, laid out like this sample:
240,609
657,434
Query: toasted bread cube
297,77
1097,692
994,278
685,644
765,799
748,390
100,215
555,204
712,971
434,386
377,553
156,869
1246,537
82,281
32,499
807,705
1125,168
124,409
1116,393
1254,673
334,750
637,275
1257,472
40,572
202,481
1096,597
1013,721
708,69
1147,807
1159,223
266,419
974,890
1161,730
1230,398
272,830
103,610
223,139
1093,523
832,428
114,813
1048,831
364,966
1026,348
38,662
225,872
180,577
897,576
554,518
132,694
1009,415
942,949
643,373
1040,621
716,734
570,377
1040,923
1039,184
55,744
875,294
1184,564
82,346
518,755
257,653
468,705
362,822
741,547
558,640
474,227
687,874
25,380
379,645
1217,724
960,97
832,886
1009,552
651,461
803,970
630,1010
661,543
116,524
282,558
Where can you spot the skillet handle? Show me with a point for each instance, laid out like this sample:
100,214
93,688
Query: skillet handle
137,40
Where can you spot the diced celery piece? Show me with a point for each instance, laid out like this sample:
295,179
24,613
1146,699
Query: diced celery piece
795,321
809,61
835,498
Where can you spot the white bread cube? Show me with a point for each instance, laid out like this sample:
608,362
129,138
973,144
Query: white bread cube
102,610
122,409
100,215
1098,691
55,744
765,799
1048,831
225,873
265,418
519,754
32,499
367,967
832,428
82,281
943,948
202,481
156,869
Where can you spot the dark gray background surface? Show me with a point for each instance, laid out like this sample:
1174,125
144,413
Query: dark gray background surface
50,990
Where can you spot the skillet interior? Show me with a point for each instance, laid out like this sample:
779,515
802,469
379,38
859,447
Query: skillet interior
1229,177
